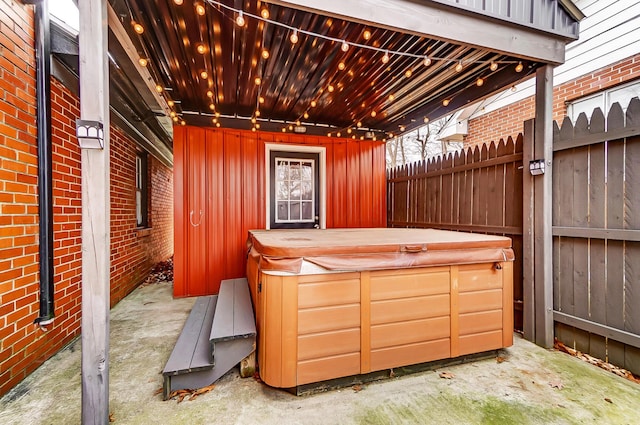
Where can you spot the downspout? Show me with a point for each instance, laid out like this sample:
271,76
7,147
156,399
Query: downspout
45,181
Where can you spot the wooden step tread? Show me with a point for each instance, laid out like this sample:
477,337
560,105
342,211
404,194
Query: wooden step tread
192,350
234,314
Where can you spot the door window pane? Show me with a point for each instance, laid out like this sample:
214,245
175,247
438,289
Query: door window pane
294,184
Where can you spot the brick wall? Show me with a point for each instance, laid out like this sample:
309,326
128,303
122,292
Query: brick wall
508,121
23,346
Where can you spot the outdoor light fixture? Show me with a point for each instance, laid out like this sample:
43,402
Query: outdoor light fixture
90,134
536,167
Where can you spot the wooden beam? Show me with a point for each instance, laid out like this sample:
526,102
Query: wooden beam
598,329
543,198
434,21
597,233
94,105
528,258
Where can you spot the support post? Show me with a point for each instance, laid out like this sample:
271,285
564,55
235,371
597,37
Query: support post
528,245
543,185
94,106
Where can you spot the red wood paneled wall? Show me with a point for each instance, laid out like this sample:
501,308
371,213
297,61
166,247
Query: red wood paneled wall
219,178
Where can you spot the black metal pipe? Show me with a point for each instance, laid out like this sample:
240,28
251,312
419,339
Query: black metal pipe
45,180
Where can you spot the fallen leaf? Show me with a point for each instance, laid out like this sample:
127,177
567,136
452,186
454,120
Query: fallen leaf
556,384
158,391
608,400
500,359
111,418
357,388
200,391
392,374
446,375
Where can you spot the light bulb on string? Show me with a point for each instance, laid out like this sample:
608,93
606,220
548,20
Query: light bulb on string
143,62
330,88
217,124
170,103
366,34
385,58
240,19
359,124
345,46
183,122
445,102
258,81
253,120
459,66
479,82
408,73
426,120
314,103
204,75
519,67
341,66
257,112
138,28
373,114
493,66
261,99
209,93
212,106
306,116
294,37
265,54
264,13
349,130
201,48
178,2
200,9
391,98
427,61
159,88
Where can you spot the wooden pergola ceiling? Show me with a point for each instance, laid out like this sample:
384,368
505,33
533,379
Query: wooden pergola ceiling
211,71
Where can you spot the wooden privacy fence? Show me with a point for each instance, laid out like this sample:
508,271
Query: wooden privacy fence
476,190
596,235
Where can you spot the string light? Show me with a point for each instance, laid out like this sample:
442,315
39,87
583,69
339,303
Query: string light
479,82
426,120
261,99
359,124
445,102
459,66
349,130
373,114
306,116
209,93
240,19
265,54
341,66
258,81
493,66
143,62
345,46
138,28
366,34
314,103
178,2
204,75
159,88
391,98
172,114
408,73
170,103
183,122
513,89
214,120
294,37
257,113
200,9
201,48
217,124
519,67
330,88
212,106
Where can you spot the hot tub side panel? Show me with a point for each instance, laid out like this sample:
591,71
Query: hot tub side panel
318,327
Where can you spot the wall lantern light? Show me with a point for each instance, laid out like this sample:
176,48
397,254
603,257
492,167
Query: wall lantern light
90,134
536,167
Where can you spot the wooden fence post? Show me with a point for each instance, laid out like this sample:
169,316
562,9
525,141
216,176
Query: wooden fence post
94,106
528,258
543,203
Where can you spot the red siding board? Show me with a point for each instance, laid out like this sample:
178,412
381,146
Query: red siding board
235,189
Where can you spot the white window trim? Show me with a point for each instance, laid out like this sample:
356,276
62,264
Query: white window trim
322,151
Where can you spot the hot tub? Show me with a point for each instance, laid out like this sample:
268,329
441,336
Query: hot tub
340,302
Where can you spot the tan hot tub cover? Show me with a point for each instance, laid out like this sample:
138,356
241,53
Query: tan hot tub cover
373,249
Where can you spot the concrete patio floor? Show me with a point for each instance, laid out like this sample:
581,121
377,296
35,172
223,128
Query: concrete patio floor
531,386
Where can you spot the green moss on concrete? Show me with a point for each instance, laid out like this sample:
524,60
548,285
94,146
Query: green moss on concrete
448,408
